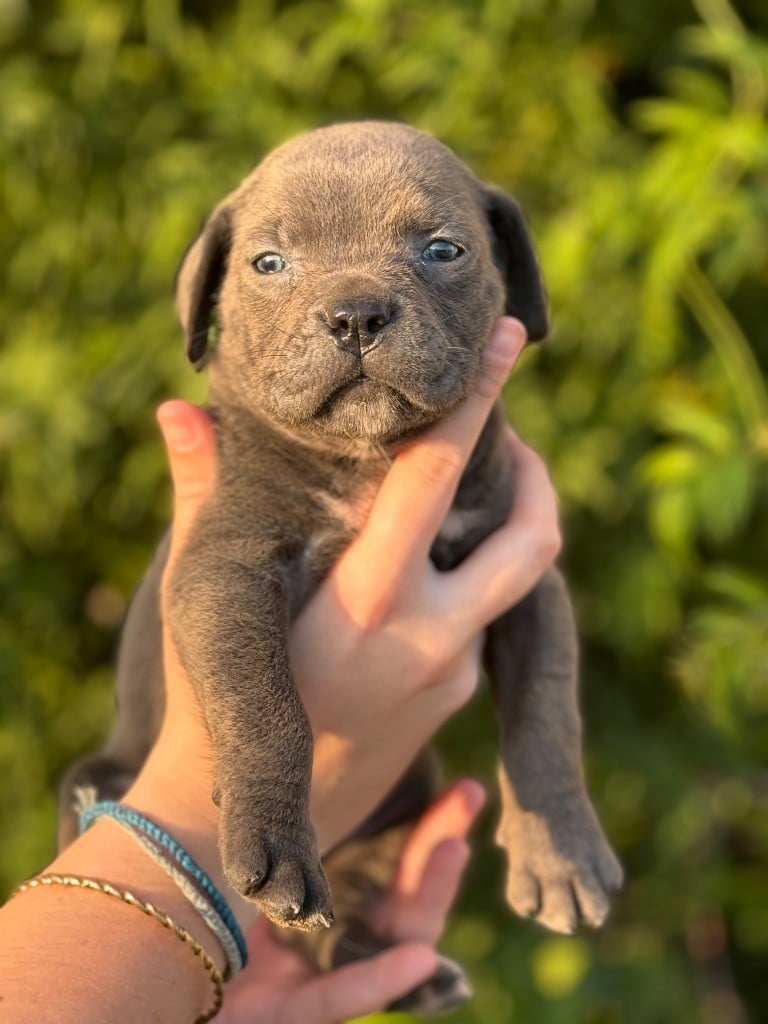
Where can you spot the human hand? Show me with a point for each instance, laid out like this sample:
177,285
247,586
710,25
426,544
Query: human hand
389,647
280,987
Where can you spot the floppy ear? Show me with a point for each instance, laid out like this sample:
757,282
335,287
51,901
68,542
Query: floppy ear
198,280
515,258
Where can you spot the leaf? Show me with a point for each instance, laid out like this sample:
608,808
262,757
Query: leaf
724,496
672,464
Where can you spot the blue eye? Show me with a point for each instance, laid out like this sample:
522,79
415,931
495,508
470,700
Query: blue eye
270,263
442,251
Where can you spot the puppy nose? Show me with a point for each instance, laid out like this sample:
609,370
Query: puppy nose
356,323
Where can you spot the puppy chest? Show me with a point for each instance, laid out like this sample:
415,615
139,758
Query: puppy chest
338,521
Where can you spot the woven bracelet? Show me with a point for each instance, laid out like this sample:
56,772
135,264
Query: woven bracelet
76,882
194,883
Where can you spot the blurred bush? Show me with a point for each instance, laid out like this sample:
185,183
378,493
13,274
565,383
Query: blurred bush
635,137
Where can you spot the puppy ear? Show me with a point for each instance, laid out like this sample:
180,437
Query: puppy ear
515,258
198,280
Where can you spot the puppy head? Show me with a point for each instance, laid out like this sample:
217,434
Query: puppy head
355,276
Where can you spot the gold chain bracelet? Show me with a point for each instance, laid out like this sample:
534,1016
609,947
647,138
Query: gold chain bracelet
147,908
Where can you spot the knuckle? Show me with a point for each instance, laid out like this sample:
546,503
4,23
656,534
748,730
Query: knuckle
545,542
461,690
372,615
325,1009
441,465
490,379
432,667
371,600
453,679
551,545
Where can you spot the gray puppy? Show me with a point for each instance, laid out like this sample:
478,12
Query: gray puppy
353,278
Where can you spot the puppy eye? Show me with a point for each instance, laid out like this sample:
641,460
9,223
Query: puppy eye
442,250
270,263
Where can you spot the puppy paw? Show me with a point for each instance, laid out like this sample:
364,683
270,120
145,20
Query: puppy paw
562,872
446,990
279,871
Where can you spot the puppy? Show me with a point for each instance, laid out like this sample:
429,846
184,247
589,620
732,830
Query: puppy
351,283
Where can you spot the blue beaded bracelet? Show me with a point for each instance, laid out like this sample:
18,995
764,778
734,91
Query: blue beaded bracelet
194,882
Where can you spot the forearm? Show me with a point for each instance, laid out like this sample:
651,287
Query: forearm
72,955
81,956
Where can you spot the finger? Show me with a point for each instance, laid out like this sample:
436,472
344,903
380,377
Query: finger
285,968
191,446
362,987
419,488
451,816
286,965
506,566
421,916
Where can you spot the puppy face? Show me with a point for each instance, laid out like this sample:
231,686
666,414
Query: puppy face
357,273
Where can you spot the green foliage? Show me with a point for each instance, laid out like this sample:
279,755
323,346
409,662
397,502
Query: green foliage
635,136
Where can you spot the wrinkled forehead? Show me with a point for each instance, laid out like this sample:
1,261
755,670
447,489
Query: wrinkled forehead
313,190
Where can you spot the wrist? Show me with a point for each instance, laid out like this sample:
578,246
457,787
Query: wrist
182,805
183,808
105,853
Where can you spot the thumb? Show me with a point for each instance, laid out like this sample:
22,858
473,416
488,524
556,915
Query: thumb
191,445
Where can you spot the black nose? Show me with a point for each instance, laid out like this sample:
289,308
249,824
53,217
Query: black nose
357,323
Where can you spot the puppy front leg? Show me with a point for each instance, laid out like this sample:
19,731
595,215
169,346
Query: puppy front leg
229,622
561,868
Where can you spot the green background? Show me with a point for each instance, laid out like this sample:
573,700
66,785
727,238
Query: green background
634,135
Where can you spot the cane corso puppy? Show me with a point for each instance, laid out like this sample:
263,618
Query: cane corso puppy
341,297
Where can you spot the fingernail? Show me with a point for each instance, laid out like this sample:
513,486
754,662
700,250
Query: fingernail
475,794
177,430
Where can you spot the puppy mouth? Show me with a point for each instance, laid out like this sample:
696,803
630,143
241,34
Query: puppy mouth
360,381
355,384
365,407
